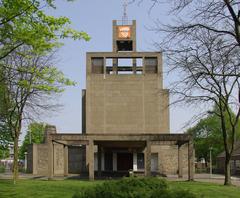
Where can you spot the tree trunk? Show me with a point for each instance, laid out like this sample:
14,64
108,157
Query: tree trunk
15,160
227,170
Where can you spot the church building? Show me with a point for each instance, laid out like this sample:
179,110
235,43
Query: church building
125,120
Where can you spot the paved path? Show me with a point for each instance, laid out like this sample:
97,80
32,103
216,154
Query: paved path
216,178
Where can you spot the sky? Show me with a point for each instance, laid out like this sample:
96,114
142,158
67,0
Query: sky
95,17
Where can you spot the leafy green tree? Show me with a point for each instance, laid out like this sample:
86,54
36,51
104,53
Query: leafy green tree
24,22
5,137
4,153
207,135
28,36
33,83
35,134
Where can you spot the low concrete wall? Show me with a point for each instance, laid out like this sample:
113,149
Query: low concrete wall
168,158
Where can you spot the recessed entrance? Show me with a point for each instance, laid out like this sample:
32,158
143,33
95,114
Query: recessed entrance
124,161
76,159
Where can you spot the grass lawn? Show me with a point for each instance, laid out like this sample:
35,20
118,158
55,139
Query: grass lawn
66,188
208,190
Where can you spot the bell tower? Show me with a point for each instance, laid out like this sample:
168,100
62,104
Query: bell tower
124,33
125,93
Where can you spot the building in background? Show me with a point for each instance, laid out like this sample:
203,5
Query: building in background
8,156
234,163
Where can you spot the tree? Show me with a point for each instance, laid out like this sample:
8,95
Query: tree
27,37
5,137
32,84
24,22
202,47
206,134
218,16
208,68
35,134
4,153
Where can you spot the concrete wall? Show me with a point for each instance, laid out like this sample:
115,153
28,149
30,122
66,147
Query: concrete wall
126,104
40,159
58,168
168,158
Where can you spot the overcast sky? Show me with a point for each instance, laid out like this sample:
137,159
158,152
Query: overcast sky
95,17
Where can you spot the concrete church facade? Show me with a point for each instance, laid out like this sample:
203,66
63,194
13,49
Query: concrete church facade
125,120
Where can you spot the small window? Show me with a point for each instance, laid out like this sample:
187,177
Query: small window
151,65
139,65
109,65
124,45
140,161
125,66
97,65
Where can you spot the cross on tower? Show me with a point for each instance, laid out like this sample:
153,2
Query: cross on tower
125,17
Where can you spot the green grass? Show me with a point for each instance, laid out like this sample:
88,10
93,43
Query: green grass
66,188
208,190
42,189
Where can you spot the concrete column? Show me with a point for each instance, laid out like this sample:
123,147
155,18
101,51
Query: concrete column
91,159
99,161
147,159
114,161
144,65
103,161
50,157
25,161
35,159
65,160
134,65
180,162
134,161
190,161
49,129
134,35
115,65
104,67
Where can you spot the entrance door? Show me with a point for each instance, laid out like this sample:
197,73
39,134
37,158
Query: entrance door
124,161
77,160
108,161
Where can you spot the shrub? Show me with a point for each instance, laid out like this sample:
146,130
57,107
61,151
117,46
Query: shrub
22,170
2,169
133,188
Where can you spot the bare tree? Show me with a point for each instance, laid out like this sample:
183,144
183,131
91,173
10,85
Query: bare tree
202,44
218,16
208,67
32,83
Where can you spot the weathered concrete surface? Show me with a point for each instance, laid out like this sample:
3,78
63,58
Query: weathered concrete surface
126,103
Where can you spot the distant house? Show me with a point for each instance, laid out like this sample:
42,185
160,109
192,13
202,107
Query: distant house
8,161
235,161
